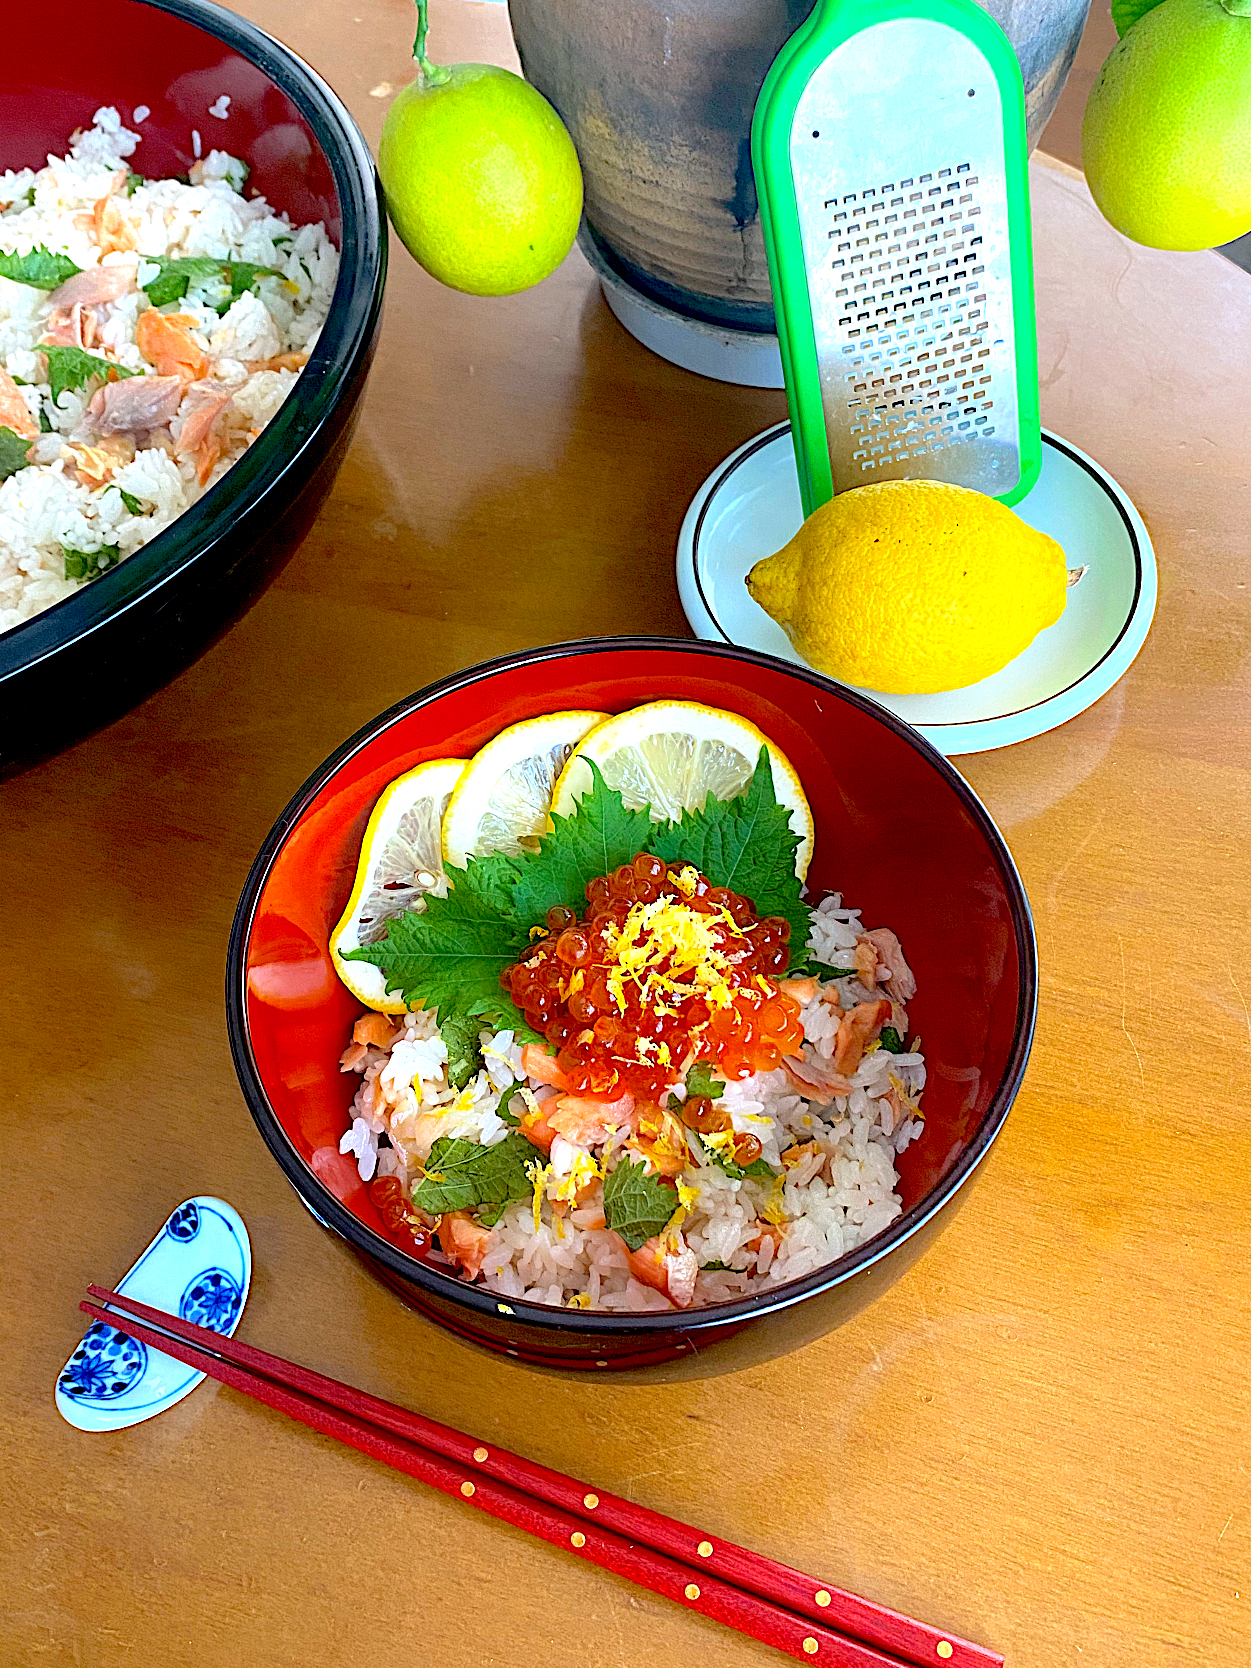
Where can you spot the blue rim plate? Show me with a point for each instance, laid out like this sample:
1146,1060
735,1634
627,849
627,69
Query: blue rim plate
749,507
200,1267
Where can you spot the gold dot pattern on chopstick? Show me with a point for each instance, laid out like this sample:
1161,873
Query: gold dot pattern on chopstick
590,1501
503,1309
823,1598
943,1648
480,1454
692,1591
467,1489
810,1646
704,1549
577,1538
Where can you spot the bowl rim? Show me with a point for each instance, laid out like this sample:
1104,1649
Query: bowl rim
210,526
329,1210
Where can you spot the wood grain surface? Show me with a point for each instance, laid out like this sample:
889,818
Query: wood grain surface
1038,1438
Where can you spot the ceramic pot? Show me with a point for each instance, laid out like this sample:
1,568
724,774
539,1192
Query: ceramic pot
659,95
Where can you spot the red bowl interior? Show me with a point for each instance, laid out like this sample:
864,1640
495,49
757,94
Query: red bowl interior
897,833
126,53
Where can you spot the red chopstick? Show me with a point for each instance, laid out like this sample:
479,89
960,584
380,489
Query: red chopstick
752,1593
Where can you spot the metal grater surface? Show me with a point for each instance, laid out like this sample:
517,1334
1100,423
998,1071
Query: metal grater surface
898,162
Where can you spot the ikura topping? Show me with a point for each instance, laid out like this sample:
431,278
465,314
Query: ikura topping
387,1196
662,969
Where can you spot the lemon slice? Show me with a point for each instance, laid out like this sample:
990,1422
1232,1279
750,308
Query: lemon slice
672,754
501,802
401,860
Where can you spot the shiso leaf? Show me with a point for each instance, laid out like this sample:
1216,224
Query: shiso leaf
41,268
747,844
14,453
596,838
450,956
461,1175
70,367
638,1206
700,1081
90,564
464,1058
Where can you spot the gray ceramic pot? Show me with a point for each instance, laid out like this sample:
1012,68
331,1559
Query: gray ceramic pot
659,95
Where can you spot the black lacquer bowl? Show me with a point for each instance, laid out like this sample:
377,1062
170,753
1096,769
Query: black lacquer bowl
91,657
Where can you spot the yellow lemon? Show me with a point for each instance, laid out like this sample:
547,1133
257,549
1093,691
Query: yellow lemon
912,587
1166,140
401,859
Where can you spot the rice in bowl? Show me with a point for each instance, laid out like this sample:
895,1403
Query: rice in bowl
827,1160
96,469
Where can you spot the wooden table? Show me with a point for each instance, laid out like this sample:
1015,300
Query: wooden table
1038,1438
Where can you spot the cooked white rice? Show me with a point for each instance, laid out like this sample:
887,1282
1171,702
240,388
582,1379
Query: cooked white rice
48,507
828,1198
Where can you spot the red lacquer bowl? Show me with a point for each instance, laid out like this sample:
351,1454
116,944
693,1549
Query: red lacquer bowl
899,832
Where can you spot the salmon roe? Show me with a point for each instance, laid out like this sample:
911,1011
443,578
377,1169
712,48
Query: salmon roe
663,968
386,1195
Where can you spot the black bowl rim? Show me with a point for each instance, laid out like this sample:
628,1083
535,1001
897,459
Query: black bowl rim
209,526
331,1212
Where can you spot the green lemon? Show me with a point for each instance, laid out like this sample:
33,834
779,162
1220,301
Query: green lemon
1166,141
481,178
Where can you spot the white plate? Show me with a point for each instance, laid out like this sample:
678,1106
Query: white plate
200,1267
749,507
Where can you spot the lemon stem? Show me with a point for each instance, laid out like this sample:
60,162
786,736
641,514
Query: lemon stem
430,74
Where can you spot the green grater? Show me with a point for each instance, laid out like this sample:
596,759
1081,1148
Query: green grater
891,166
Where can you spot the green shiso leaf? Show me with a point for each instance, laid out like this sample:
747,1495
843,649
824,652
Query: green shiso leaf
822,970
891,1041
596,838
450,957
638,1206
133,504
14,453
178,273
464,1058
90,564
70,367
41,268
504,1110
700,1081
746,844
461,1175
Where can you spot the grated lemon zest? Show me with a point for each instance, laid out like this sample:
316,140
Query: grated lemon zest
583,1171
774,1211
538,1174
579,1300
538,932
